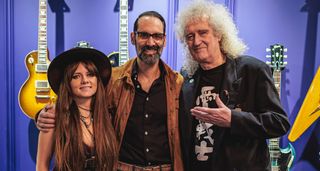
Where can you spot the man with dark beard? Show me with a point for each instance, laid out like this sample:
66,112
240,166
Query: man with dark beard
143,100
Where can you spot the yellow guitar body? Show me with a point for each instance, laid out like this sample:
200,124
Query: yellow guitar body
35,93
309,111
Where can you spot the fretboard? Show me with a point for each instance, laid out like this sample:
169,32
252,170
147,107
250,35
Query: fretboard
123,32
277,80
42,33
274,145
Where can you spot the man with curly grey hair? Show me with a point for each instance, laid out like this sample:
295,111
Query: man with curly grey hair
230,104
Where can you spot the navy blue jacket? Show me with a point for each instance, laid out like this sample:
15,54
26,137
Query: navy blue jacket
256,115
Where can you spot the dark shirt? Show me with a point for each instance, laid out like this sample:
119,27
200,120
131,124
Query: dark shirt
205,133
90,162
145,141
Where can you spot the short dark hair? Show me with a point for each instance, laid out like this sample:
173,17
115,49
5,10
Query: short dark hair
153,14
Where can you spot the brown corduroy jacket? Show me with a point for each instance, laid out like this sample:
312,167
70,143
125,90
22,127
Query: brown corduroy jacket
120,97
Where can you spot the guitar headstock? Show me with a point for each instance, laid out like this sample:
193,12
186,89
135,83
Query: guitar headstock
83,44
277,56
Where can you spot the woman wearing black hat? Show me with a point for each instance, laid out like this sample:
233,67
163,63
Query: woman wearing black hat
83,138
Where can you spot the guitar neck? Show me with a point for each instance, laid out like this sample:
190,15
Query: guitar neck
123,32
274,143
42,37
277,80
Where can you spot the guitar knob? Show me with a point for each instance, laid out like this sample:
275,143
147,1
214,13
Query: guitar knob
112,62
31,60
53,99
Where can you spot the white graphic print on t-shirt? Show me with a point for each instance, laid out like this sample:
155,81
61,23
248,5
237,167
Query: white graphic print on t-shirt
204,131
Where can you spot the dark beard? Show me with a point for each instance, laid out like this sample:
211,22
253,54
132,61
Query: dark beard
150,59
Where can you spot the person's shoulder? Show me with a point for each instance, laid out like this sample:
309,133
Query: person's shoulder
179,77
117,70
250,62
173,75
120,70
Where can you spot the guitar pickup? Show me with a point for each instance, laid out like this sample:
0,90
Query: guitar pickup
42,84
43,90
42,68
42,97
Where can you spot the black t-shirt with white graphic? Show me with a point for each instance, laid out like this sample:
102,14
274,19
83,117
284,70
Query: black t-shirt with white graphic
209,86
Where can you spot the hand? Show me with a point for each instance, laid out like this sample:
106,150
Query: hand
220,116
46,118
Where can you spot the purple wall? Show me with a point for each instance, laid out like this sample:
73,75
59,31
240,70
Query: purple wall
293,24
261,23
6,89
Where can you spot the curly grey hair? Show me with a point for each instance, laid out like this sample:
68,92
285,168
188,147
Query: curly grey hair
219,19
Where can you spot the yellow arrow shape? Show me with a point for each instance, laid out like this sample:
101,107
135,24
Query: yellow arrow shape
309,111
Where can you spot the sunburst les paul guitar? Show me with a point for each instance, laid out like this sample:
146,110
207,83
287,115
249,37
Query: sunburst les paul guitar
36,92
281,159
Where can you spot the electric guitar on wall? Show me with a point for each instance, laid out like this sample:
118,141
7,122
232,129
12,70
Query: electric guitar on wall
281,159
36,92
122,56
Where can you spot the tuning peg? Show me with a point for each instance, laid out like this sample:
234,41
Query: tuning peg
268,62
285,49
268,56
83,44
285,63
285,56
268,49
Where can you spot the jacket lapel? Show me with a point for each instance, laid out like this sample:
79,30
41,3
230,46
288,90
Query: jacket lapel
231,83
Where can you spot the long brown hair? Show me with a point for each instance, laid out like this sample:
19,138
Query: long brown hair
69,150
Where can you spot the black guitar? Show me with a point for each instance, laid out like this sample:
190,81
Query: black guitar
281,159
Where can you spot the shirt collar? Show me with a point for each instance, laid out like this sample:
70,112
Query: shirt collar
135,69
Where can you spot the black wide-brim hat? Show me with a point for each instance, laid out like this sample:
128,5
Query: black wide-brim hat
58,65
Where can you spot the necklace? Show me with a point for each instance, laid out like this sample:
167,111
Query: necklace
87,125
83,119
84,108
